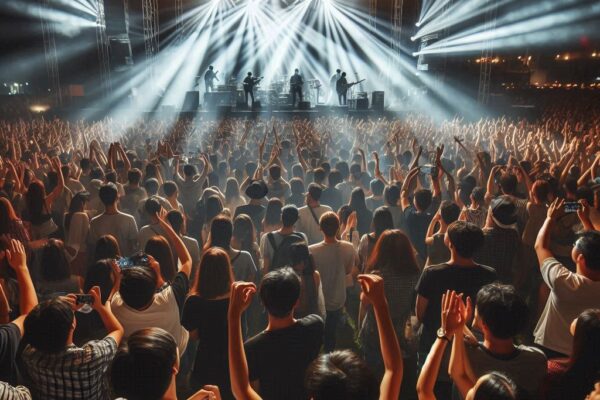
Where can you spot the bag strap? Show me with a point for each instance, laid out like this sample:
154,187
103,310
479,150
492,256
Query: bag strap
313,215
236,256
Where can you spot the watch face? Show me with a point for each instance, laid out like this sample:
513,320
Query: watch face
441,332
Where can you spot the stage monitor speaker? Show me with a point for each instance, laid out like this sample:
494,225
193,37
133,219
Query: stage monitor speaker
256,105
191,101
358,104
378,101
121,57
304,105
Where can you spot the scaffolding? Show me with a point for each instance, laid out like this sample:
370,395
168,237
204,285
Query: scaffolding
178,21
373,15
397,27
102,46
487,54
151,28
50,53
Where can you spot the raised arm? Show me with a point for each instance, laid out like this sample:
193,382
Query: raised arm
17,259
373,291
542,242
240,299
405,191
460,369
59,187
182,251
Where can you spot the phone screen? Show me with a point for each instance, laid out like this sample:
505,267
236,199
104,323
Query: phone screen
572,207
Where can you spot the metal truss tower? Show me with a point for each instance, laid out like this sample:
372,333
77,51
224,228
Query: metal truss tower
397,26
179,21
373,15
102,46
151,31
487,54
50,53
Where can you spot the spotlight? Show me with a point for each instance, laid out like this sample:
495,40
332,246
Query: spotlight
418,24
413,38
39,108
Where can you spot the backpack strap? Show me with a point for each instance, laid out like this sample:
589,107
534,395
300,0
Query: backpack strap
313,215
271,238
236,256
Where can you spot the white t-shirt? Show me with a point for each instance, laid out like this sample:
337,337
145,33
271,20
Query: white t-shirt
162,313
571,295
334,261
149,231
122,226
307,224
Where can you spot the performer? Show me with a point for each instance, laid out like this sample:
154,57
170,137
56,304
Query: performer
332,85
249,84
296,83
341,88
209,79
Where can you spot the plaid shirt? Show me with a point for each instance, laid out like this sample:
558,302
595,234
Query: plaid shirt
8,392
77,373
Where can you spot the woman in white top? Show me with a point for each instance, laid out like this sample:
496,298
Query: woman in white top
77,226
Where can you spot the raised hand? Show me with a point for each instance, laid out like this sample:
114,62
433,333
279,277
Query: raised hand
372,289
16,255
556,209
241,297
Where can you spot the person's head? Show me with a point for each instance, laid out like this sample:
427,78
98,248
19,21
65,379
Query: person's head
301,260
391,195
296,71
343,74
334,178
85,165
319,175
151,185
391,246
249,74
275,172
540,191
342,166
585,357
279,292
232,189
493,386
508,183
176,220
54,263
449,211
244,231
134,176
377,187
382,220
464,239
108,194
7,214
289,216
503,212
297,186
357,199
138,285
145,365
35,198
49,325
338,71
586,253
100,274
273,212
423,199
215,274
170,189
478,195
210,67
500,311
340,375
329,224
152,206
214,207
107,247
221,232
314,192
158,247
189,171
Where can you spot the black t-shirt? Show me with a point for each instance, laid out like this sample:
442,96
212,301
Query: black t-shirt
89,327
417,224
255,211
10,336
278,359
209,319
436,280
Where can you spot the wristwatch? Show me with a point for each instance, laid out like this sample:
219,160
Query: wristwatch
441,334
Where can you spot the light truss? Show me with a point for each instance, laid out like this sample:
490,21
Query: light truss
103,49
50,53
487,53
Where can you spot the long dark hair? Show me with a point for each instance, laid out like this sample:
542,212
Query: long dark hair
100,274
221,231
35,199
584,364
382,221
496,386
159,248
215,274
7,214
300,255
273,212
232,189
357,200
55,266
77,205
393,251
245,234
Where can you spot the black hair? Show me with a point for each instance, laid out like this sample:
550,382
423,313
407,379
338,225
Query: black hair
275,171
138,285
377,187
108,194
297,186
175,218
334,178
382,220
466,238
449,211
143,366
588,245
391,194
170,188
47,326
99,274
502,310
151,185
340,375
279,291
423,199
496,386
54,264
315,191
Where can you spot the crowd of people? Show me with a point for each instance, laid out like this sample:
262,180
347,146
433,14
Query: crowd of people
334,258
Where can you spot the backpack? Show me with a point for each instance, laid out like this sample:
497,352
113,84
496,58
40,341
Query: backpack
281,253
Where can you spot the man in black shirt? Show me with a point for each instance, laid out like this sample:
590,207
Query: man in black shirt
209,79
278,356
256,191
296,83
460,274
341,87
249,84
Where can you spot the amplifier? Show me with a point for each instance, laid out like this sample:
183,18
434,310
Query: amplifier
358,104
304,105
378,101
191,101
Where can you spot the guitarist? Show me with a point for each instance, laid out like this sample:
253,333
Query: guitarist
209,79
249,84
341,88
296,83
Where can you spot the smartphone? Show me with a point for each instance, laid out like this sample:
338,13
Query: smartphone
125,263
572,206
84,299
429,170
